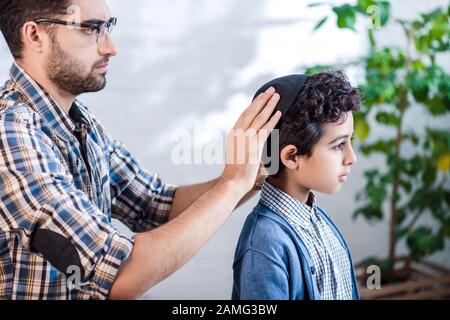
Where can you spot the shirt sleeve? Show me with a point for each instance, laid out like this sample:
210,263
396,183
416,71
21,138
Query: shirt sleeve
141,200
52,218
259,277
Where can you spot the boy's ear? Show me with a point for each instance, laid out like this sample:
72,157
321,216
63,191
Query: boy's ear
288,157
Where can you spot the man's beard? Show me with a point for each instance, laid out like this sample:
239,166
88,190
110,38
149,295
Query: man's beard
67,73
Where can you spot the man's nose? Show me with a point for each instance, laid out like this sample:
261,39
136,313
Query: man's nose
107,47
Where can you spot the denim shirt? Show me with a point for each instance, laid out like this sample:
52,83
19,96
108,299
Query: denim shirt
271,260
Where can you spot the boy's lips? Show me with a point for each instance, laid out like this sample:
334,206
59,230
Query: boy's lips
343,177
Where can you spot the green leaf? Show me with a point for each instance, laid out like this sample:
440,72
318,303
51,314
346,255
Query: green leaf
371,175
401,215
422,43
422,242
369,213
383,146
362,129
377,11
445,230
388,118
431,33
411,136
418,24
406,185
436,106
427,17
439,141
444,163
346,16
385,11
418,65
317,69
429,173
321,23
400,233
365,4
317,4
419,88
377,194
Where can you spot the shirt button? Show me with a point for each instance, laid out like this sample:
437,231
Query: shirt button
313,270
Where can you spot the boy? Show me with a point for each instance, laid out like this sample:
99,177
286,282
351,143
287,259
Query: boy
289,248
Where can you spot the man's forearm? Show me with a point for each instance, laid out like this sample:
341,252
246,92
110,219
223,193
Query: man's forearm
185,196
160,252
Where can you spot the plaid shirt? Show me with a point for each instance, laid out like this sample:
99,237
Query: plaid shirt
59,193
330,259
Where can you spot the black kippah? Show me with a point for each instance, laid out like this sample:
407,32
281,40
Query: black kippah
4,4
288,88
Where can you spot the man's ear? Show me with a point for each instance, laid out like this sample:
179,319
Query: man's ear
32,37
288,157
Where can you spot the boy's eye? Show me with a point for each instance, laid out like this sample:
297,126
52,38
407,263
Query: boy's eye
340,146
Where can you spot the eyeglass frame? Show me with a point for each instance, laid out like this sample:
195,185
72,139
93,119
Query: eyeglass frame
105,25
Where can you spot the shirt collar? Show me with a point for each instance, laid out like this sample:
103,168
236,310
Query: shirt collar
43,103
288,206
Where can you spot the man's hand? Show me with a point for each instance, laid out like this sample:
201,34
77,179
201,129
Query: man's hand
159,253
242,160
246,141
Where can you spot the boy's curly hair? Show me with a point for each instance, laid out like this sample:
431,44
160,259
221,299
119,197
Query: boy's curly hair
325,98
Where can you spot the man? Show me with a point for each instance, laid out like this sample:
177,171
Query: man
62,178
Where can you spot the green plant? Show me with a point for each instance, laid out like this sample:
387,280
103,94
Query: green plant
398,79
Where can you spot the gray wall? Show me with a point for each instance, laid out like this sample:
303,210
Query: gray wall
183,61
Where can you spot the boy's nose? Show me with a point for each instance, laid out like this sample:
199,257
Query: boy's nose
351,158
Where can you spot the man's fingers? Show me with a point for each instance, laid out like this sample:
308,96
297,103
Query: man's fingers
249,115
265,114
265,131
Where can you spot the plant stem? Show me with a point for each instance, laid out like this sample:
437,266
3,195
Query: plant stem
403,104
414,220
396,181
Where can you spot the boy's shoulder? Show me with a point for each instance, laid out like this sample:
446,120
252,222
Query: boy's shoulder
265,230
268,233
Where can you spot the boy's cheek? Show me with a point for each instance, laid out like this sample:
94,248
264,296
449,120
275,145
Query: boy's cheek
328,185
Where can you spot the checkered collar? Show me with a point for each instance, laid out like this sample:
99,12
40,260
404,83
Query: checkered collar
43,103
288,206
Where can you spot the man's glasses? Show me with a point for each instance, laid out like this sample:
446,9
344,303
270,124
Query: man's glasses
100,28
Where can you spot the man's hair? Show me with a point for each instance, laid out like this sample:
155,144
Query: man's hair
325,98
15,13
